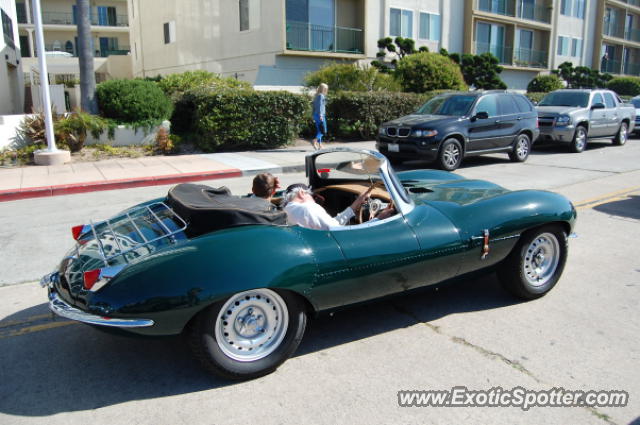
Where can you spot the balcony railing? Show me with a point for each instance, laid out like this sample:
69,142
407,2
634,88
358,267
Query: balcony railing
318,38
632,34
503,53
530,58
617,67
534,12
61,18
632,2
120,51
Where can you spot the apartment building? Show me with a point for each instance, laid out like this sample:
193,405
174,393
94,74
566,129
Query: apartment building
110,37
11,80
617,32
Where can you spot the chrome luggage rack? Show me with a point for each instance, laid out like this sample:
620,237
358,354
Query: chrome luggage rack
125,244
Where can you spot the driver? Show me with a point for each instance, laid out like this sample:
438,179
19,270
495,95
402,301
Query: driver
303,210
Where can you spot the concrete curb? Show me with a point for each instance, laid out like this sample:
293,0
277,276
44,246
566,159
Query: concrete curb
67,189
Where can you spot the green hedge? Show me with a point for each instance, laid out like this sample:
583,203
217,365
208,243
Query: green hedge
136,102
625,86
357,115
535,96
545,83
240,119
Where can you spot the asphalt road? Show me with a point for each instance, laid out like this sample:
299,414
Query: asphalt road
582,336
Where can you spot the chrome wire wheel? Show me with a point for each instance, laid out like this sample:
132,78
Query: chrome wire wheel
541,258
451,155
522,148
251,325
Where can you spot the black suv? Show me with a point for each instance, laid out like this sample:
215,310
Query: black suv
454,125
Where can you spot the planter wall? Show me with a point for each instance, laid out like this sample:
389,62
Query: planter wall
125,136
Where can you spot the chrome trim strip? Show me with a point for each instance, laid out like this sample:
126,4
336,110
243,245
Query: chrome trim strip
62,309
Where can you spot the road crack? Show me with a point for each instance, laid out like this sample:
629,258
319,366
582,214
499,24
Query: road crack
493,355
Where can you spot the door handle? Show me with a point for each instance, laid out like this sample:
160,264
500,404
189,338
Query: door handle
498,121
519,118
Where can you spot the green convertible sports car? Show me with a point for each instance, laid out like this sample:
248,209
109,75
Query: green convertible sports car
240,282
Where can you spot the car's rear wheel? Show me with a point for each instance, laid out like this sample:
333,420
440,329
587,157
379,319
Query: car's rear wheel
579,142
450,155
521,149
622,135
248,335
536,263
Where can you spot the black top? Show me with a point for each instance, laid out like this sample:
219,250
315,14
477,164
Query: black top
206,209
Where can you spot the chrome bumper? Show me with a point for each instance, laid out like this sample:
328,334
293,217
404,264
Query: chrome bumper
61,308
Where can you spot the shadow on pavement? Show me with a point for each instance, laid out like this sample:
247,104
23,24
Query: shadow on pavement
77,368
544,148
629,208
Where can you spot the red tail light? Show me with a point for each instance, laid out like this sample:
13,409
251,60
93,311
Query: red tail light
90,278
76,231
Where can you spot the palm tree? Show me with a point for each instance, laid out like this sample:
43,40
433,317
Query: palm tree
85,55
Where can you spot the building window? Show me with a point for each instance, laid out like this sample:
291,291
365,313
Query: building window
21,12
169,32
429,26
573,8
7,30
249,14
568,46
401,23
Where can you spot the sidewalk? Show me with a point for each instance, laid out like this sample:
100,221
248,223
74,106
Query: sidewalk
40,181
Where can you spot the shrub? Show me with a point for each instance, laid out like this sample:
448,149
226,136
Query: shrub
480,71
138,103
359,114
174,85
625,86
242,119
32,127
545,83
423,72
535,96
350,77
73,129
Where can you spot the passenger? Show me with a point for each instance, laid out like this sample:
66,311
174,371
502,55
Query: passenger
303,210
265,185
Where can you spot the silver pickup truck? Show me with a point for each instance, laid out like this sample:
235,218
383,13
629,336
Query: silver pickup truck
575,116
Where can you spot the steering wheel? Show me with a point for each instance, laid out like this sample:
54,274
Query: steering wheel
373,206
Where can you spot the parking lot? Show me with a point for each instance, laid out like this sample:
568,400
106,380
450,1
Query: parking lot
350,366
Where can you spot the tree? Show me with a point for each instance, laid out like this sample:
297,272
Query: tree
544,84
480,71
85,49
398,49
424,71
581,76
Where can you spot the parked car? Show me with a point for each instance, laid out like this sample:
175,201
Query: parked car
577,115
636,104
456,125
240,282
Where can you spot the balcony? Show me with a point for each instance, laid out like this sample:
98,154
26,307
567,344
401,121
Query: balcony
530,58
632,35
635,3
304,36
503,53
536,12
61,18
617,67
120,51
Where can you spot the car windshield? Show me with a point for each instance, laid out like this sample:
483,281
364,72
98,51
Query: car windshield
636,102
456,105
347,165
565,99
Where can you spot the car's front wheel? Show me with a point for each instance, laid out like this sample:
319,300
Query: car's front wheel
521,149
579,142
450,155
248,335
536,263
622,135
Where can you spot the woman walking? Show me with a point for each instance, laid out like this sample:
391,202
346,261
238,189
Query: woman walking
319,114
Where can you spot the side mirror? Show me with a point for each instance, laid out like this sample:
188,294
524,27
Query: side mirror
482,115
597,106
535,103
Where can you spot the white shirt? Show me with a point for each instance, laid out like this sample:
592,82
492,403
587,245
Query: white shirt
313,216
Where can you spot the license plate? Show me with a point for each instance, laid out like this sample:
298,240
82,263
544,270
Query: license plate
393,147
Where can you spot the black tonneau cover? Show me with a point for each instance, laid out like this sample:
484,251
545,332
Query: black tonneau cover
206,209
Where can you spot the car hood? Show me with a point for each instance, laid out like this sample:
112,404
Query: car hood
557,110
431,185
415,120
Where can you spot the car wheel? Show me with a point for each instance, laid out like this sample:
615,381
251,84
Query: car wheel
521,149
579,142
450,155
248,335
536,263
622,135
